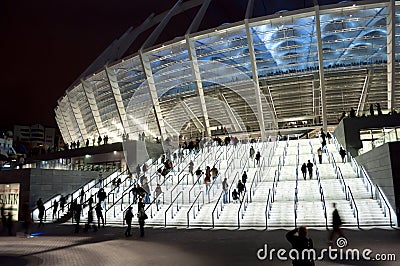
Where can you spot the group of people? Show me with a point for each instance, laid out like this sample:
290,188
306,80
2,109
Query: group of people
141,215
352,112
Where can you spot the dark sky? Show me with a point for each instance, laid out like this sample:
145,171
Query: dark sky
45,45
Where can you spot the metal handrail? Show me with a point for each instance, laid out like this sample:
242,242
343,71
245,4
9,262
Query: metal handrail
177,208
77,191
367,181
321,191
382,197
244,203
177,184
197,182
296,199
353,205
267,208
215,207
341,180
230,187
51,200
254,183
198,207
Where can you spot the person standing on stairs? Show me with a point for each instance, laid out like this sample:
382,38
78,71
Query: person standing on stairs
342,153
319,152
304,170
252,152
244,177
258,157
310,168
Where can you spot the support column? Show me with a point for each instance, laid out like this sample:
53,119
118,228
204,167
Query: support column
231,115
193,117
78,116
199,86
153,93
88,89
254,72
194,26
391,54
321,69
67,121
62,125
364,92
116,92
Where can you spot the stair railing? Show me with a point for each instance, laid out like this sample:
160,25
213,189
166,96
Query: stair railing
268,208
242,207
383,203
353,206
178,183
296,200
216,209
321,191
176,202
367,181
197,199
254,183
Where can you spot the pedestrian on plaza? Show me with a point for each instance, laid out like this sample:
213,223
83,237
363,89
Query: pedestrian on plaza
319,152
9,224
99,214
77,216
90,221
90,201
310,168
3,216
41,210
140,204
304,170
62,203
128,220
82,194
55,208
299,240
336,224
342,153
101,195
142,216
26,217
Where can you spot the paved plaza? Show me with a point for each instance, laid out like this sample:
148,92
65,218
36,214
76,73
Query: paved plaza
59,245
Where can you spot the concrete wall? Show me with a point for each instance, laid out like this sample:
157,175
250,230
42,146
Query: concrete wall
378,165
45,183
348,130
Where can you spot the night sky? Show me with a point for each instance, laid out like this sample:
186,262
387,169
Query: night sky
45,45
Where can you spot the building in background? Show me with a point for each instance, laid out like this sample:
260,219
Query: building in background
35,139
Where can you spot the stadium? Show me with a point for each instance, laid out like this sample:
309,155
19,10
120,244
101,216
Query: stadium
353,44
274,82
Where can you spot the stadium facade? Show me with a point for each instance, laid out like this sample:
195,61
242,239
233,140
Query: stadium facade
291,70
